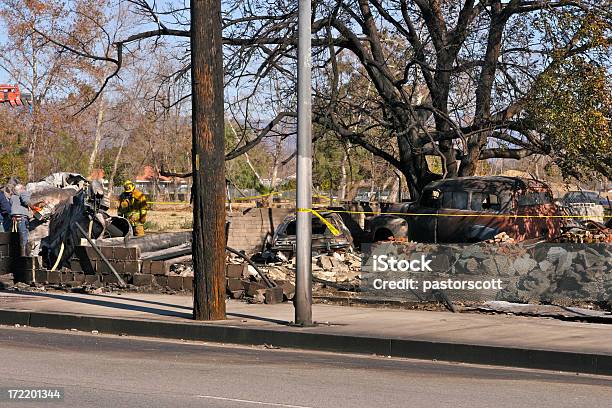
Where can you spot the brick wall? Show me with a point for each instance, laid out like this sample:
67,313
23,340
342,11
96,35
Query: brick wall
248,231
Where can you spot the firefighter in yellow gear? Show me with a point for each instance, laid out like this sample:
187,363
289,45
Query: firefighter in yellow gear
133,206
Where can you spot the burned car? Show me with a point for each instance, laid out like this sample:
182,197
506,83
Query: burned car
587,203
322,238
473,209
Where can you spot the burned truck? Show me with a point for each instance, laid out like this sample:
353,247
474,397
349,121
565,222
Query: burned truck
473,209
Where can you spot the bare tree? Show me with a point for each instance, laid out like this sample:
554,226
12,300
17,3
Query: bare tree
451,79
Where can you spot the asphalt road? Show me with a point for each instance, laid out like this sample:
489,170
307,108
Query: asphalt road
98,370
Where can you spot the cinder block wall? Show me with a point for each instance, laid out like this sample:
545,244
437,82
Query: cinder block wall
248,230
5,252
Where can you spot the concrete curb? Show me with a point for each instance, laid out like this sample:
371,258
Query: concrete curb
600,364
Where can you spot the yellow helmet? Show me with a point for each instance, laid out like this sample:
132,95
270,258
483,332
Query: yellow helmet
128,186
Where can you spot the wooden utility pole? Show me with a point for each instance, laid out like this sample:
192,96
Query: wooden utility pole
208,154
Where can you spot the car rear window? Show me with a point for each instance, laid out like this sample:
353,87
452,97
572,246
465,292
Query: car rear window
317,227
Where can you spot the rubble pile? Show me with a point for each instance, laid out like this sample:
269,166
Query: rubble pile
337,267
245,281
500,238
183,268
591,233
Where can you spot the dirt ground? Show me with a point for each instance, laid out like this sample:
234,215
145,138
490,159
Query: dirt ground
167,218
169,221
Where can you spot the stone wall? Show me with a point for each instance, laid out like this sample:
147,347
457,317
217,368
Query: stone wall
537,273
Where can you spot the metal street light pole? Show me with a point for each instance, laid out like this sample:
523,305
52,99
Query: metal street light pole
303,276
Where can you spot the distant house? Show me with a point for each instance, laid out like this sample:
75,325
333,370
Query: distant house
168,188
155,185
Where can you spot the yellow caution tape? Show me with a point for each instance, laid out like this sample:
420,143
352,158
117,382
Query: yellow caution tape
404,214
255,197
410,214
454,215
328,224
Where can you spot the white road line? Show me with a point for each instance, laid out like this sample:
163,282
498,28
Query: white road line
272,404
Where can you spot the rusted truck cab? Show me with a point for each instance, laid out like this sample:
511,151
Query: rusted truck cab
472,209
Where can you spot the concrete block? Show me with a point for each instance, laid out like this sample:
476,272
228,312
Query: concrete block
119,266
235,284
140,279
161,280
145,267
131,267
253,287
187,282
127,253
234,270
102,268
108,252
41,276
160,268
23,269
175,282
54,278
274,295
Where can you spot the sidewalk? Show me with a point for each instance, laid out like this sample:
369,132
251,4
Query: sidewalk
466,337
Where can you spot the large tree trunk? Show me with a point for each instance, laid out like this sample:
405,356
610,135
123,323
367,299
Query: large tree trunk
484,89
208,161
413,162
